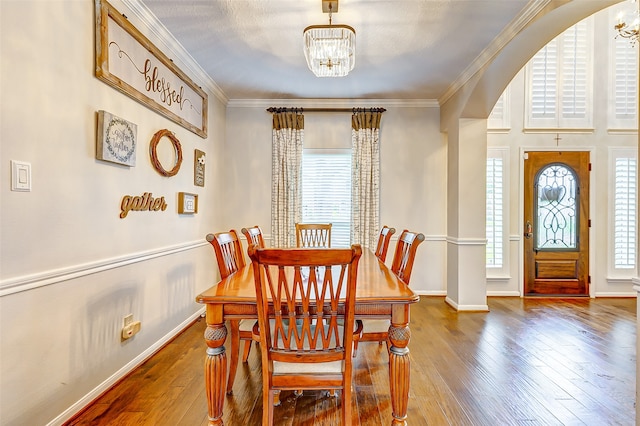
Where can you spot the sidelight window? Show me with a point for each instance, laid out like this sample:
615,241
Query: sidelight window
497,217
623,208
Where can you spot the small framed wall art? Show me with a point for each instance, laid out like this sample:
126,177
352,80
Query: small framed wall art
199,159
117,139
187,203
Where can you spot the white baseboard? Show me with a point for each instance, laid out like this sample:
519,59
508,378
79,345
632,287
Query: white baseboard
616,294
118,375
499,293
466,308
431,292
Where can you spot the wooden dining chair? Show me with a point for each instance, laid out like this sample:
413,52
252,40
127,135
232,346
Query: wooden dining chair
254,236
405,254
378,330
228,250
313,235
313,290
383,242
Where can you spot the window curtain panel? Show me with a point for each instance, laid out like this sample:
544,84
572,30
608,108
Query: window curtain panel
365,179
286,187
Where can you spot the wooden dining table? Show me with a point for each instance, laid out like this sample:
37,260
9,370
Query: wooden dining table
379,295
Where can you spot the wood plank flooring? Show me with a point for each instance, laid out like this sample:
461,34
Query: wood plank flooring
526,362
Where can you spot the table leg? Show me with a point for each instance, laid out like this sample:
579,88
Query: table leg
399,371
215,370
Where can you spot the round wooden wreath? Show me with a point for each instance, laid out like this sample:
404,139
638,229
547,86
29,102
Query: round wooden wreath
154,155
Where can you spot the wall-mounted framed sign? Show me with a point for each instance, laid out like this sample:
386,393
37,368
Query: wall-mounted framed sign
141,203
129,62
117,139
187,203
199,160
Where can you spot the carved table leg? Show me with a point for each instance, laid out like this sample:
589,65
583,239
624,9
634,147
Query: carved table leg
399,371
234,325
215,370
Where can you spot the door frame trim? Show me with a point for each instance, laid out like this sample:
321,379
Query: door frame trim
593,191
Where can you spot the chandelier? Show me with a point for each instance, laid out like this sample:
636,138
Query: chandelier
628,25
330,49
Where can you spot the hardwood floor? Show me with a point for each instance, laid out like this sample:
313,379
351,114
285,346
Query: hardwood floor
526,362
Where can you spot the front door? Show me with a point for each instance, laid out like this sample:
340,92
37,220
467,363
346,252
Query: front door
556,223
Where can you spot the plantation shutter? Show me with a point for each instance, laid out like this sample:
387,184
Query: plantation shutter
575,77
544,85
560,83
625,213
495,209
625,85
500,117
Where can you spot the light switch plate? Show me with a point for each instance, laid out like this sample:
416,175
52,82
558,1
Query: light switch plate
20,176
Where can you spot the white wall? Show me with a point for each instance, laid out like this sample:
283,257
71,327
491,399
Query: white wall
413,184
70,268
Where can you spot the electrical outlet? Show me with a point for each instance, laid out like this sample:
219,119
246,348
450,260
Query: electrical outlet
131,330
127,320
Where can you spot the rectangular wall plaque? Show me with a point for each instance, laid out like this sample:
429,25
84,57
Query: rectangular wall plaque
129,62
117,139
199,160
187,203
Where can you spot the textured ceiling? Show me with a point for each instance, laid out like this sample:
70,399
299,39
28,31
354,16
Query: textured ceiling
405,49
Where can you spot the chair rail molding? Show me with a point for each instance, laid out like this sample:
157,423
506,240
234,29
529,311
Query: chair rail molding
467,241
41,279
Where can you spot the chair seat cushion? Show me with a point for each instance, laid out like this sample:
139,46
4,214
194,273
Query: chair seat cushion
333,367
376,326
247,324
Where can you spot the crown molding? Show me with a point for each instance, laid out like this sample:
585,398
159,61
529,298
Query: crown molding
334,103
174,47
528,14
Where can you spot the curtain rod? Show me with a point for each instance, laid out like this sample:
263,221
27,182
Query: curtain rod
302,110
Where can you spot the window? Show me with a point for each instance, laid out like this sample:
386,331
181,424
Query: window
623,77
496,243
623,208
326,191
500,118
559,81
556,208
